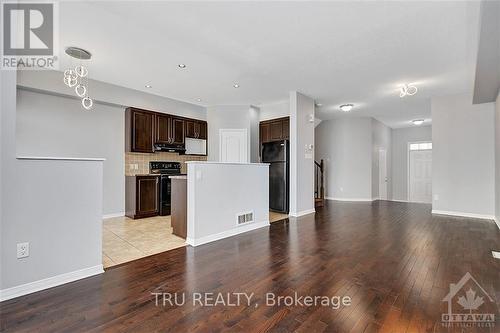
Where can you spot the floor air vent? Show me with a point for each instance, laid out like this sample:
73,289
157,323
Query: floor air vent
245,218
495,254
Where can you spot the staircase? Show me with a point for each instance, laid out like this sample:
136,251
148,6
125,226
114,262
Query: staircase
319,189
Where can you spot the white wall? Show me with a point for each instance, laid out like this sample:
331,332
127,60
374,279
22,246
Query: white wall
49,125
346,147
463,158
111,94
301,158
400,139
497,159
233,117
56,206
218,192
381,139
274,110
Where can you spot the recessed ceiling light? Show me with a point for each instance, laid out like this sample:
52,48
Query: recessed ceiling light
198,99
346,107
418,122
148,86
236,85
181,65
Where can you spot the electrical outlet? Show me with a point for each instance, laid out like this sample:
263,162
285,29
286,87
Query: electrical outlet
23,250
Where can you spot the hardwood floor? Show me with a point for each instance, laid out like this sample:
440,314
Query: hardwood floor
394,260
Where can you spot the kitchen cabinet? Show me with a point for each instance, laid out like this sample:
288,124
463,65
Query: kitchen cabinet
144,129
265,132
141,196
196,129
274,130
169,130
139,130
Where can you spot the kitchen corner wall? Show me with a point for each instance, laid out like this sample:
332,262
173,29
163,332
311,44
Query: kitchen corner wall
141,160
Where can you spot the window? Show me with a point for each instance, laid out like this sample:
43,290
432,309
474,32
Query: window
421,146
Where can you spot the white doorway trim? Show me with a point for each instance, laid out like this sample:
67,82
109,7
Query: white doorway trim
408,166
239,137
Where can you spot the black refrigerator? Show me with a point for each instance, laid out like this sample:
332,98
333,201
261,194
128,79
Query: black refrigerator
278,156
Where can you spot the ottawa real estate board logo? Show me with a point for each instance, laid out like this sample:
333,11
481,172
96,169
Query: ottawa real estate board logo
29,35
468,305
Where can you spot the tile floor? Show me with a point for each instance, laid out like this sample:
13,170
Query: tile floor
274,217
125,239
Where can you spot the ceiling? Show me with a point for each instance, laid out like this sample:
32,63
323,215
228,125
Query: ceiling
335,52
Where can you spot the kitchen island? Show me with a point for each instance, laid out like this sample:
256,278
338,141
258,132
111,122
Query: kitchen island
225,199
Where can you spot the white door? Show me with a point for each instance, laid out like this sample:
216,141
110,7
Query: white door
233,146
420,181
382,174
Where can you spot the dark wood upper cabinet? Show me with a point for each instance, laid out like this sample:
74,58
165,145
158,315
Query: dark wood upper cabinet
286,129
139,126
196,129
203,133
274,130
265,132
163,128
177,131
145,128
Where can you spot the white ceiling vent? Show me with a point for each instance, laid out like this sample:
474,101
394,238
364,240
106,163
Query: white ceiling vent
243,218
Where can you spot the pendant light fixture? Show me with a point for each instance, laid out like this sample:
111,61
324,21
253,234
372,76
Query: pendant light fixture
78,77
407,90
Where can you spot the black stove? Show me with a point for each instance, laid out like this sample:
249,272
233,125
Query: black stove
165,169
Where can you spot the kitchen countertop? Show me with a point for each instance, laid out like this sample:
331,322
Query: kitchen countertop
179,177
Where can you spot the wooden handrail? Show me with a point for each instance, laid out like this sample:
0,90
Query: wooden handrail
319,190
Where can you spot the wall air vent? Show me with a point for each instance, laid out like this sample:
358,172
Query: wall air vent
245,217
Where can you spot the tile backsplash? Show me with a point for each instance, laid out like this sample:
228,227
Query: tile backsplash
138,163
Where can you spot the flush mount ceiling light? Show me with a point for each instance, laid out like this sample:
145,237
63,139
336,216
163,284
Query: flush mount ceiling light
148,86
78,77
418,122
407,90
198,99
346,107
236,85
181,65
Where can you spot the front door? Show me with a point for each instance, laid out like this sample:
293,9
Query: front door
420,180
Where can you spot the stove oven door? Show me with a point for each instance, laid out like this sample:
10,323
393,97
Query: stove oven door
165,195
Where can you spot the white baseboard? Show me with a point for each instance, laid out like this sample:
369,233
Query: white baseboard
109,216
351,199
228,233
50,282
497,221
302,213
462,214
397,200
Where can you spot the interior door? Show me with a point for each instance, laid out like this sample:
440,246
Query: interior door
420,179
233,146
382,174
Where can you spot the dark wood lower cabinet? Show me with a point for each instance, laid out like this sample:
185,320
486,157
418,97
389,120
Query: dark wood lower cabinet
141,196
